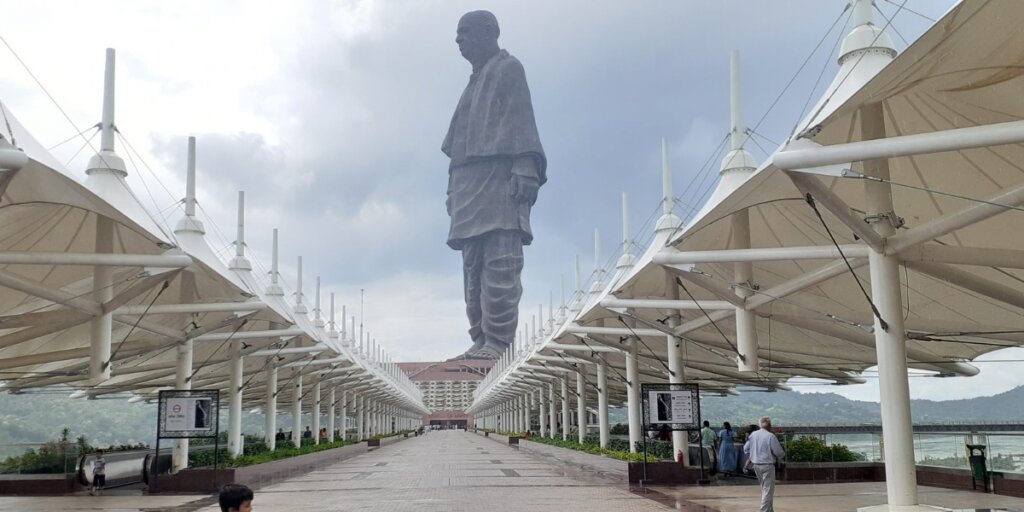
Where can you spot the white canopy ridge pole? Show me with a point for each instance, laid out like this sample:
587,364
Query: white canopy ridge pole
563,308
577,302
667,198
332,328
274,288
107,161
598,284
300,308
668,221
190,223
240,262
627,259
318,320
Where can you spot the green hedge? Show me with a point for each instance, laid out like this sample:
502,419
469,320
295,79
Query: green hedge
813,449
58,456
258,453
589,446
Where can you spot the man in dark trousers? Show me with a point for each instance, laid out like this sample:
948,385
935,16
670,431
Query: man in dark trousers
497,166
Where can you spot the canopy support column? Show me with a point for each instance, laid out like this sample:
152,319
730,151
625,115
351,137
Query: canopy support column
297,409
633,395
552,410
317,407
677,366
235,398
270,408
331,413
890,340
103,291
602,403
565,408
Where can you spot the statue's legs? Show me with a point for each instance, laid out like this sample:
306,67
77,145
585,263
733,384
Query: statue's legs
492,264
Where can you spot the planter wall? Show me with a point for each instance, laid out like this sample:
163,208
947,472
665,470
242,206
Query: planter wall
664,473
37,485
605,466
209,480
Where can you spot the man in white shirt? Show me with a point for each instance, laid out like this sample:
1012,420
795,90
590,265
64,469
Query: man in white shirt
763,449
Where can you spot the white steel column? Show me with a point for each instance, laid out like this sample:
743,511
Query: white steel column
182,380
103,291
552,411
297,410
235,398
315,413
565,408
543,414
361,418
270,408
602,403
633,395
344,414
581,404
331,411
676,367
524,402
890,342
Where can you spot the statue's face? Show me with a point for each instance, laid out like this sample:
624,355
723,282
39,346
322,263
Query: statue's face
474,37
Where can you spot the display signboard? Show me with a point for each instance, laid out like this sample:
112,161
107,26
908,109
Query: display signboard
188,413
671,406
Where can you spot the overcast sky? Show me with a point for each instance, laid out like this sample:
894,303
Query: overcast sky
330,116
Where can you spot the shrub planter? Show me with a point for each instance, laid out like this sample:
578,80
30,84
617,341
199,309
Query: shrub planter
828,472
370,443
601,464
514,440
664,473
255,476
38,485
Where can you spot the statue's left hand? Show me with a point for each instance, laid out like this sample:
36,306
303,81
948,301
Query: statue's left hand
524,189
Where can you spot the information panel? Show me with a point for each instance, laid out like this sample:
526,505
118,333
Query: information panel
188,413
671,406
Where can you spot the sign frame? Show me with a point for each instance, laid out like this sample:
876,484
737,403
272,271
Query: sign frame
690,392
212,408
212,419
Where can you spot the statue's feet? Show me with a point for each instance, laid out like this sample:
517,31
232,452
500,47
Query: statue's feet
469,354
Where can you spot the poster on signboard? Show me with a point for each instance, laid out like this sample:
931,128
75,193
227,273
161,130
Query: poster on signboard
675,406
188,413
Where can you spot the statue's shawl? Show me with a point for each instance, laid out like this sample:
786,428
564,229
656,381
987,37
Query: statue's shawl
501,121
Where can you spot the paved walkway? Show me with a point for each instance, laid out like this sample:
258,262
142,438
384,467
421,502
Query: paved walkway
454,471
449,471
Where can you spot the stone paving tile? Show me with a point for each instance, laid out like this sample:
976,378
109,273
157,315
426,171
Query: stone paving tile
446,471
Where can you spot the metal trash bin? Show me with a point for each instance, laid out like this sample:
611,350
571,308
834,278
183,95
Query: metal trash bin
979,469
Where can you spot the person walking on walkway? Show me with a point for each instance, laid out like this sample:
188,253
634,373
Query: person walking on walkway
763,449
726,449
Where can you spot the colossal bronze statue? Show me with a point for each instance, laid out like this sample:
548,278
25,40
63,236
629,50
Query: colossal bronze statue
497,166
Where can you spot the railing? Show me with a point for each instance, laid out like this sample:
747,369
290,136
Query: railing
1005,449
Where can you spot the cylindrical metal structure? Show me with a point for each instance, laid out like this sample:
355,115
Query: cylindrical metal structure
103,291
581,404
235,399
297,409
552,411
182,380
331,414
315,413
602,403
633,395
565,408
270,408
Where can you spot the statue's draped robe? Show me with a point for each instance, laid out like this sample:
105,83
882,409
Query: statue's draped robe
492,125
491,132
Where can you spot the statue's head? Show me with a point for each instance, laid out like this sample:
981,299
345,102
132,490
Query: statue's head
477,36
